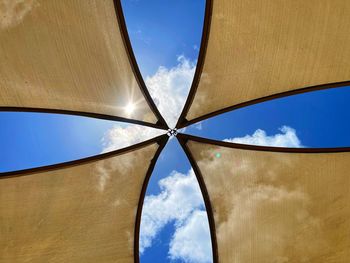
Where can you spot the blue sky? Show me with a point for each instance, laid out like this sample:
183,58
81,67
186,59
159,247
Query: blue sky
165,36
161,30
320,118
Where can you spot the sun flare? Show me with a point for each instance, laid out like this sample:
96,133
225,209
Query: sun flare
130,108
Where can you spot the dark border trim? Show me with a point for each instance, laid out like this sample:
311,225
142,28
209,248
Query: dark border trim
182,122
186,137
182,140
263,99
26,172
162,142
81,114
124,32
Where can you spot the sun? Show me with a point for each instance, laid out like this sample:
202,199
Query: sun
130,108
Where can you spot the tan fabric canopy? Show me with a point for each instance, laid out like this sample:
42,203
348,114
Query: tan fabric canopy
277,207
67,55
259,48
267,206
81,213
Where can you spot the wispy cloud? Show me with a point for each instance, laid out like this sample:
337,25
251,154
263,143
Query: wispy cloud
287,138
139,34
198,126
169,88
123,135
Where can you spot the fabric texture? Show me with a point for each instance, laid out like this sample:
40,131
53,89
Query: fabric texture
81,213
68,55
277,207
260,48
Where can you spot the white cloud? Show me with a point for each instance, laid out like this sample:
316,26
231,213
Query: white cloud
264,206
169,88
180,201
180,196
288,138
198,126
191,241
123,135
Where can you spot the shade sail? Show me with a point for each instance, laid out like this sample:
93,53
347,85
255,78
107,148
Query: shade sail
67,55
277,206
78,213
260,48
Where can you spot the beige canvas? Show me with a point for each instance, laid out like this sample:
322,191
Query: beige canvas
260,48
277,207
82,213
67,55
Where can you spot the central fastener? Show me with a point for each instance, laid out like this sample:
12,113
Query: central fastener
172,132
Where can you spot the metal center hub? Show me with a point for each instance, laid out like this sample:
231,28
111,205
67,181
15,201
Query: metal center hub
172,132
